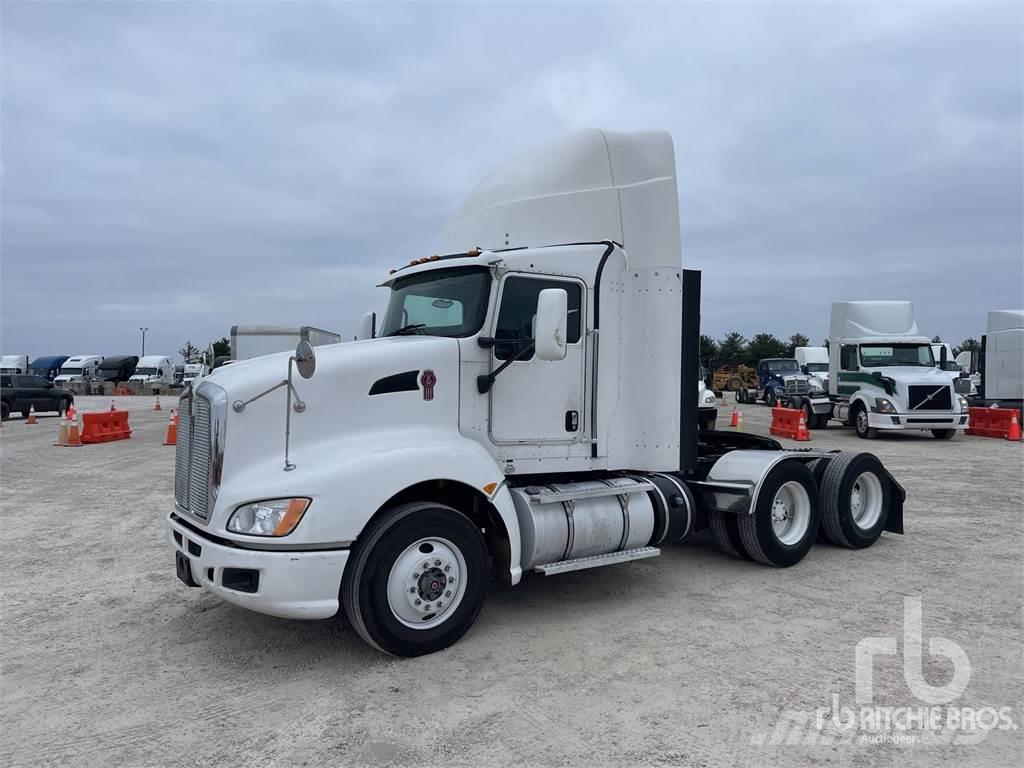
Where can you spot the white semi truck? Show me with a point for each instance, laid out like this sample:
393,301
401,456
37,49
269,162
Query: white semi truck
14,364
813,361
79,369
154,371
883,375
248,341
529,405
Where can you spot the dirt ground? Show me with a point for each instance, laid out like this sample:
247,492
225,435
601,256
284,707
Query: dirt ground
691,658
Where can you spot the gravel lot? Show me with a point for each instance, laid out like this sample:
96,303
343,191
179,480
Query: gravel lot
691,658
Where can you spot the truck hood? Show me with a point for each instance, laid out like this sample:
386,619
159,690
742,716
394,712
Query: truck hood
376,385
913,374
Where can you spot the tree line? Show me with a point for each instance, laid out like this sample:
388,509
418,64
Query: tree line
735,349
192,354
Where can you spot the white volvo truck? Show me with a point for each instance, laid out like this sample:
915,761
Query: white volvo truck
883,376
529,404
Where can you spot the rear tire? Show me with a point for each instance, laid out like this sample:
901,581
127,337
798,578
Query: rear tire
770,399
64,405
735,384
741,395
943,434
861,425
785,521
725,528
855,499
425,552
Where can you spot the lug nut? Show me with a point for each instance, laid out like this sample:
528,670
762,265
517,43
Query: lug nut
426,565
418,601
437,562
448,593
412,590
439,603
447,568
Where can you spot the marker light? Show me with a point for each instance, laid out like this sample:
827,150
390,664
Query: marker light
273,517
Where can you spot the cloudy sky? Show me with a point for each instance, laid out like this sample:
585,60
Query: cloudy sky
191,166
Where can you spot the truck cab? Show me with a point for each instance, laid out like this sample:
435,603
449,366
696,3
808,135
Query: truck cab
813,361
528,404
883,376
117,368
193,373
13,364
154,370
781,382
79,369
47,367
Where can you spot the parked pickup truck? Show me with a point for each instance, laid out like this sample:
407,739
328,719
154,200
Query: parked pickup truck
19,392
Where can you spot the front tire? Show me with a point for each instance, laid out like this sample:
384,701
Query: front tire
735,384
416,579
5,411
943,434
861,425
770,399
785,521
855,500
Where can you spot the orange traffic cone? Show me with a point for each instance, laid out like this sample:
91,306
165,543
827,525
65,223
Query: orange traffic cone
157,406
31,414
74,435
62,430
1014,433
739,421
801,428
735,420
172,429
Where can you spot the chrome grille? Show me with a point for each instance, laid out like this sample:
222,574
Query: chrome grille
193,457
796,386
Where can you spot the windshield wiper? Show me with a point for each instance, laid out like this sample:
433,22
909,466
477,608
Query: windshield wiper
408,329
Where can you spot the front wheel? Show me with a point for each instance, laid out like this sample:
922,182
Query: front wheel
770,399
416,579
5,411
943,434
735,383
861,425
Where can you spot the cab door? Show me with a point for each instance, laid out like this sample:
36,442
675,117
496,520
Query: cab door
531,400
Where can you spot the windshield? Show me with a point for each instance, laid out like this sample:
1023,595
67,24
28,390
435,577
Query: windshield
70,371
145,371
817,367
879,355
783,366
450,302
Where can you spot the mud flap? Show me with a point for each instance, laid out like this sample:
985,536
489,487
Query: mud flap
894,523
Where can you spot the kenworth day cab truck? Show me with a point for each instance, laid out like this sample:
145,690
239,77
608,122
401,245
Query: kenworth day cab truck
883,376
528,404
813,361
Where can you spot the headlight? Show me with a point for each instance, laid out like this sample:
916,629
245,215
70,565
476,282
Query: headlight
884,405
964,405
274,517
709,398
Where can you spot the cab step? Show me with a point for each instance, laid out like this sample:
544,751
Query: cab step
596,561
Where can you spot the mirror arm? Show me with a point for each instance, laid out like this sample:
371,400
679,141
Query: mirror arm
484,381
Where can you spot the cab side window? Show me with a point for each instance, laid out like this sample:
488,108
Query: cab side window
848,357
515,324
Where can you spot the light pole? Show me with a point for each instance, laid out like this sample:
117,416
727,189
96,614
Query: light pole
143,341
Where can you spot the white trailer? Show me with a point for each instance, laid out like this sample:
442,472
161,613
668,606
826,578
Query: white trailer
79,369
14,364
882,373
529,404
248,341
1001,361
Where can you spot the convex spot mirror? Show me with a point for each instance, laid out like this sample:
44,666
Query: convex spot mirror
551,322
305,359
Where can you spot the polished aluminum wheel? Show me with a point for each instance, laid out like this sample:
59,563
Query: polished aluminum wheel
427,583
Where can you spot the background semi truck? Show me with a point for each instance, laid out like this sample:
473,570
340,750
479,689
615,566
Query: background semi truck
14,364
154,371
48,366
883,375
529,405
248,341
79,369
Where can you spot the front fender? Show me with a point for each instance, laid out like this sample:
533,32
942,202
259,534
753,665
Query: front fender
352,477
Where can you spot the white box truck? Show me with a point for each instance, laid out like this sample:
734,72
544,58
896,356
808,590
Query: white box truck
14,364
248,341
882,373
79,369
528,405
154,371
